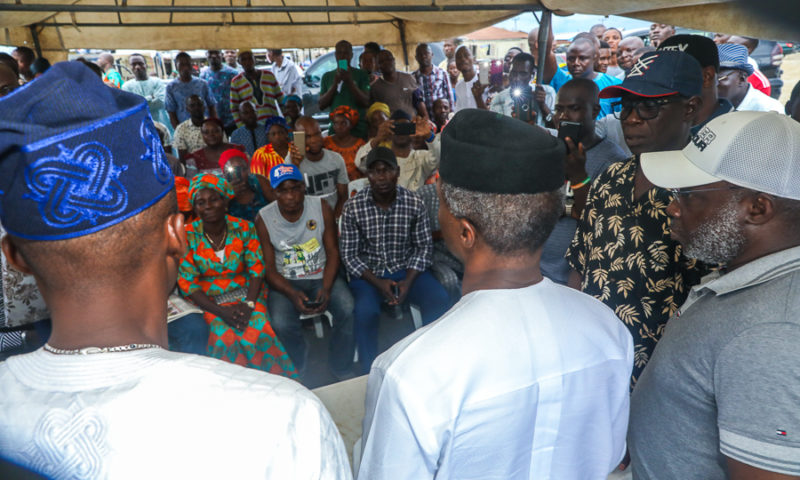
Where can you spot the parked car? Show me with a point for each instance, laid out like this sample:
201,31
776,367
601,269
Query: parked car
768,55
327,62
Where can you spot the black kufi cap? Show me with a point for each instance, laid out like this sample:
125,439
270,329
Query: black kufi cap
703,49
488,152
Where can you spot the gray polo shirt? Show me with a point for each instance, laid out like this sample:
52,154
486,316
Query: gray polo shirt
724,380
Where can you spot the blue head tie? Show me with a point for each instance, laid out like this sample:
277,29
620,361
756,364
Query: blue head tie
76,156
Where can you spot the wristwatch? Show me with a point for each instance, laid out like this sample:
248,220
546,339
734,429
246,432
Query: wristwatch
250,304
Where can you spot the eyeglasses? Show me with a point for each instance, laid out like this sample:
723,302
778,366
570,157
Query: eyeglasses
677,193
646,109
732,72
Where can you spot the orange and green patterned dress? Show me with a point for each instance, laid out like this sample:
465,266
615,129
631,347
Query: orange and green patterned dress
348,154
201,269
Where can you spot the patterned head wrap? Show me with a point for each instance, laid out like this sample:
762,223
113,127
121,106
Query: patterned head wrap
213,182
275,121
378,107
349,113
293,98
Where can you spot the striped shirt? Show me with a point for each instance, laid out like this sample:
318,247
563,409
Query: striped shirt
242,90
391,240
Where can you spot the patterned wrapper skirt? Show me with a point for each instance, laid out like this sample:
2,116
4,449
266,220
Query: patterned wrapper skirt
256,346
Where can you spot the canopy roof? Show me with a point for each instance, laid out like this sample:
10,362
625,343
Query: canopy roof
59,25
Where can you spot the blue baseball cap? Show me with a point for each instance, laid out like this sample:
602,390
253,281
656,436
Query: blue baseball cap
285,171
659,74
76,156
734,56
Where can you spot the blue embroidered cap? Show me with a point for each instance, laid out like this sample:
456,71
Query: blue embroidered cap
734,56
76,156
282,172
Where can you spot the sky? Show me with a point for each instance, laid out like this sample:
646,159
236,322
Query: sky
573,23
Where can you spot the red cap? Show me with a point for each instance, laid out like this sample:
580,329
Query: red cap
231,153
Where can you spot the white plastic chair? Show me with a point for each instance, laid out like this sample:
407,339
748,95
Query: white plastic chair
318,329
355,185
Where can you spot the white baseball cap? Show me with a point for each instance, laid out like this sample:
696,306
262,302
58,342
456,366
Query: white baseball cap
755,150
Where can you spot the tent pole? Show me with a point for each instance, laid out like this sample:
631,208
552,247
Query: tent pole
402,25
36,45
544,34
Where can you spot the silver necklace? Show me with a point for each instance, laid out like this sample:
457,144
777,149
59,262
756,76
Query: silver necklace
90,350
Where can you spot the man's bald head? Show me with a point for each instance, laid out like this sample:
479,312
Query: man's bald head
625,51
305,123
582,86
105,60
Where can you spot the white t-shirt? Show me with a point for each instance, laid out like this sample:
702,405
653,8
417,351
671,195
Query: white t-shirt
464,96
758,101
512,384
159,414
288,78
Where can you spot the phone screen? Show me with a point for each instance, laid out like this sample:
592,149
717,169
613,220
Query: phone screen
234,174
300,141
342,64
483,73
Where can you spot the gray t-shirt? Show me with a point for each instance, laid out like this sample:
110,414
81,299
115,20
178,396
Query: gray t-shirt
323,175
299,251
553,264
724,380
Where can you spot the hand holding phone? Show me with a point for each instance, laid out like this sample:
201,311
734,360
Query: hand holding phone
342,64
570,130
300,141
405,128
483,73
312,304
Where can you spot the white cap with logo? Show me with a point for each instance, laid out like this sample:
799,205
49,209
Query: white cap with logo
755,150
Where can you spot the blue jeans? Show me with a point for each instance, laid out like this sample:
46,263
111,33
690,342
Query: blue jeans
427,293
188,334
285,321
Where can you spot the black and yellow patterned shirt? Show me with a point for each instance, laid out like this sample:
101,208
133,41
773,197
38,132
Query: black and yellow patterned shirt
624,253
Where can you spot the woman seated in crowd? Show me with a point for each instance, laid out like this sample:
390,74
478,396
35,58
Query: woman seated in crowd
222,275
377,113
275,151
292,107
207,158
342,142
248,189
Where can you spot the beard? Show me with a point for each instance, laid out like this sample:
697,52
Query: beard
718,240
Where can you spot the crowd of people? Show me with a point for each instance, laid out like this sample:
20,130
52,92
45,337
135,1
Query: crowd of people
602,257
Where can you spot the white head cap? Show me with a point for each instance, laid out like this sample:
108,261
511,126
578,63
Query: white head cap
755,150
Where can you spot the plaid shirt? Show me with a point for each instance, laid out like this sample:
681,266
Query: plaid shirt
385,240
434,86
